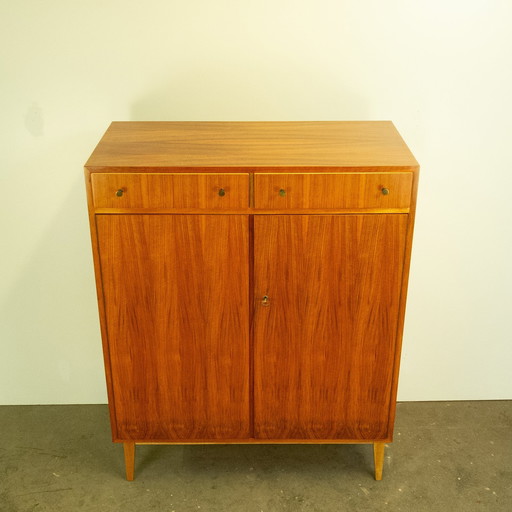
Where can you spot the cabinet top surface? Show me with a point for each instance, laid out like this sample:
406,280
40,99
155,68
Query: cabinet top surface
251,146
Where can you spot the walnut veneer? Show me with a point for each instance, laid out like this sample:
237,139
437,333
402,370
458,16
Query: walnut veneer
251,280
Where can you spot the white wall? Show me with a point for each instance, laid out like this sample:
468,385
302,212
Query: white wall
441,70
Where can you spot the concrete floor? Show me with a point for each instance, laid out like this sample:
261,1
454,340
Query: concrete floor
447,456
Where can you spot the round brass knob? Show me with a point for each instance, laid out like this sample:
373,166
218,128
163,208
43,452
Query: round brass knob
120,192
385,191
282,192
222,192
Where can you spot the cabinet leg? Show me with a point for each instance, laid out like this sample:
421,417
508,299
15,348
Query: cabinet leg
129,460
378,459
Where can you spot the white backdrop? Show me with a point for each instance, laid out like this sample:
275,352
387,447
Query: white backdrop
441,70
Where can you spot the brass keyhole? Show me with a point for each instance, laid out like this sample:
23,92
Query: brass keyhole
265,301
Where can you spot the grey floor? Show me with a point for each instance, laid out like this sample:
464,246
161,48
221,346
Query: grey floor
446,456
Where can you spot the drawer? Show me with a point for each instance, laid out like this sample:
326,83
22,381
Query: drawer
333,191
175,191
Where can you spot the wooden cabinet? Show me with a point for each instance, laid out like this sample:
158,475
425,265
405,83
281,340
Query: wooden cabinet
251,280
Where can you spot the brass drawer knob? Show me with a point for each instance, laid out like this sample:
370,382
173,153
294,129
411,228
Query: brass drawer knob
222,192
282,192
385,191
120,192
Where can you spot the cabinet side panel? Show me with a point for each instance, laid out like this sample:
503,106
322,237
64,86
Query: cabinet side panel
176,302
403,300
325,345
101,304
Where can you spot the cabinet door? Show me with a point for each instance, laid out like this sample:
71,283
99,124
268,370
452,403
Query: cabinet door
324,343
176,308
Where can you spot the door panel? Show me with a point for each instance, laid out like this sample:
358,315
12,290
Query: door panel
176,300
324,345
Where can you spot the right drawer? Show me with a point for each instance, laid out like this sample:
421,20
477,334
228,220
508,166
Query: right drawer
333,191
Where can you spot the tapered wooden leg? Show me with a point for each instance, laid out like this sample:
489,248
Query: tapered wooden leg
129,460
378,459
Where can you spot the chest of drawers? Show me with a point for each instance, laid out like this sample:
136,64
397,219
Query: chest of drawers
251,280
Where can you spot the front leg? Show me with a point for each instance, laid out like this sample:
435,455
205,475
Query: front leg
129,460
378,459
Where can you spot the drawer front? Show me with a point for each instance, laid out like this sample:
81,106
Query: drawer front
333,191
175,191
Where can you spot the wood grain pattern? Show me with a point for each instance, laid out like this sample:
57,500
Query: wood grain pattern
171,191
336,191
177,315
324,348
191,355
101,304
228,146
403,300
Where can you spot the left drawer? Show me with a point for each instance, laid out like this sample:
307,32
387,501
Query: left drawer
170,191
